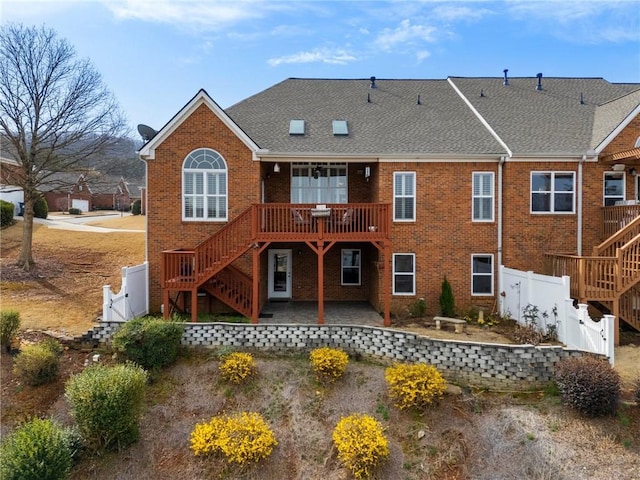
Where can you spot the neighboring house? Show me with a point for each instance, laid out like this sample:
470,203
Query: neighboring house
87,192
376,189
10,173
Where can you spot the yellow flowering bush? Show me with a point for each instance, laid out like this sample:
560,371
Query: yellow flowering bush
242,438
237,367
361,444
416,385
329,364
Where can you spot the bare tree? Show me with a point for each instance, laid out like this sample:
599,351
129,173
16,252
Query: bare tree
55,113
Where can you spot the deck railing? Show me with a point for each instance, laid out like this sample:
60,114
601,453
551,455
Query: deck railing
303,222
592,278
184,269
617,217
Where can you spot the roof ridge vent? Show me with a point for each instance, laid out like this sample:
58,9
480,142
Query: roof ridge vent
539,85
373,82
506,79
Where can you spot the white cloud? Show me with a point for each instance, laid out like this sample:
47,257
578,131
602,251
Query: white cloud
212,15
457,12
422,55
319,55
403,34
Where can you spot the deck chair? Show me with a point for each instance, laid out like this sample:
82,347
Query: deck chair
344,223
298,219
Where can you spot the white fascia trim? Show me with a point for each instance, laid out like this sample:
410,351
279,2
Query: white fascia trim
617,130
378,158
148,151
480,117
552,158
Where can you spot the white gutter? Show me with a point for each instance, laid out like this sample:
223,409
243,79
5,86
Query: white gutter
499,259
579,207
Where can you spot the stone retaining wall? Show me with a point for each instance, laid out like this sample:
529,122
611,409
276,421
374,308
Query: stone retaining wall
494,366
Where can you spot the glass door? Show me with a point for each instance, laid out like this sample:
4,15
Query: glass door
279,273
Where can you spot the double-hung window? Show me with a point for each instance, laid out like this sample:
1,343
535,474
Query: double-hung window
404,273
483,197
350,267
404,196
482,274
552,192
204,186
613,188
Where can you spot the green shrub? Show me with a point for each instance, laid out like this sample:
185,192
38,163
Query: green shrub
447,301
37,364
40,208
361,444
237,367
329,364
243,438
37,450
6,213
150,342
588,384
9,325
414,385
136,207
106,403
637,392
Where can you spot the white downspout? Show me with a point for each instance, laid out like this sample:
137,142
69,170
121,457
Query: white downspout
499,259
579,206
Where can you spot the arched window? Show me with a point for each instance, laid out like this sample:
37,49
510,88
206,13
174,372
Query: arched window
204,186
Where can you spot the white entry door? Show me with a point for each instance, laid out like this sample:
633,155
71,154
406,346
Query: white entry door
279,273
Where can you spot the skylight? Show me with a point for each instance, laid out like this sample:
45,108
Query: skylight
340,127
296,127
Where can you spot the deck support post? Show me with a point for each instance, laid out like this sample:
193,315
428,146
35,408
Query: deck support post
320,282
255,303
166,303
194,305
386,290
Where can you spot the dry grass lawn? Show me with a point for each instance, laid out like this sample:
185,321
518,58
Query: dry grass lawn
64,291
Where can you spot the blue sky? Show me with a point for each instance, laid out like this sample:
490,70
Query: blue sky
156,54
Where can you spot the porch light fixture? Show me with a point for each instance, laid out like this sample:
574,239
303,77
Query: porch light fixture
317,171
276,168
632,171
367,173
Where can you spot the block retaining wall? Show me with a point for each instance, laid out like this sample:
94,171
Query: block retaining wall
493,366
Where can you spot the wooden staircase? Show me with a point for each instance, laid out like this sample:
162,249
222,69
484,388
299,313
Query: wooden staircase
610,277
208,266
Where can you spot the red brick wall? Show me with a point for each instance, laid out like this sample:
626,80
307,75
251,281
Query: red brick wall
167,231
443,236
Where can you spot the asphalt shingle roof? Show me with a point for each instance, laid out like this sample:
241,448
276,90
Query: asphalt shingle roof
389,120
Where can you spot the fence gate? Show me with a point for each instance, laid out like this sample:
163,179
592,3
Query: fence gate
133,298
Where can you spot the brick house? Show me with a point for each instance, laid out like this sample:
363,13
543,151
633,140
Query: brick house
376,189
87,192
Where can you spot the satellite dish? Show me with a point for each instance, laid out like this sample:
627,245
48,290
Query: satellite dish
146,132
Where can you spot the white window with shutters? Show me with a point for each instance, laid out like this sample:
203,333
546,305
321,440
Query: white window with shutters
404,196
204,186
483,197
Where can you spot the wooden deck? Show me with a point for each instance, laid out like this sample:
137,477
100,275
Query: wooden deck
182,269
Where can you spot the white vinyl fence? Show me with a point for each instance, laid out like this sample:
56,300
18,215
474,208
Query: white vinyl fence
132,300
525,295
